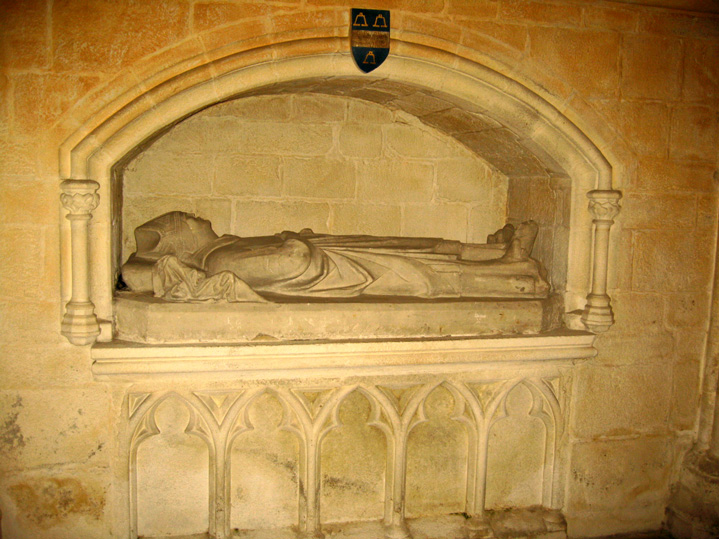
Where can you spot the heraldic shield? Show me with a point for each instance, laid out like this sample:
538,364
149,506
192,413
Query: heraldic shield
369,37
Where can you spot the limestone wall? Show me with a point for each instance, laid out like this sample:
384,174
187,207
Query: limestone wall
640,81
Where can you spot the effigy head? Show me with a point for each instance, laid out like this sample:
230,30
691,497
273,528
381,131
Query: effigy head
174,233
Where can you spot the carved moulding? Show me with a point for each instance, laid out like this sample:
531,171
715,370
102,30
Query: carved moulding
397,406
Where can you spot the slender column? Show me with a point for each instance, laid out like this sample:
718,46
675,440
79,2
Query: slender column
79,324
395,525
477,526
604,206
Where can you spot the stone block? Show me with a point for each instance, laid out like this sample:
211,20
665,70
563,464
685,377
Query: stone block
511,35
171,503
264,108
610,18
643,211
318,178
701,70
670,22
265,218
25,202
363,112
426,6
690,344
448,221
239,175
695,133
115,34
541,12
64,504
667,175
22,275
465,179
637,313
421,103
25,36
651,67
45,427
394,182
147,320
18,157
168,174
473,8
310,19
622,400
44,365
644,125
515,458
318,109
685,394
455,120
422,26
436,451
185,138
671,261
352,489
706,212
207,15
593,66
230,134
656,348
501,149
255,31
484,219
29,321
360,140
40,99
408,141
216,209
687,310
620,476
374,219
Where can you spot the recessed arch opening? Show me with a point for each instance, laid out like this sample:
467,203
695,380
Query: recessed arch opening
515,132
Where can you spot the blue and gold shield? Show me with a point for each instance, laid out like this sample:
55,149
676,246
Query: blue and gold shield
369,37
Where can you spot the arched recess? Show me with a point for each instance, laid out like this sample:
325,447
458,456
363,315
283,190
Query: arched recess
534,134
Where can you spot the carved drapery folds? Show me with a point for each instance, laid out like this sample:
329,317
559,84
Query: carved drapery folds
221,419
604,207
80,198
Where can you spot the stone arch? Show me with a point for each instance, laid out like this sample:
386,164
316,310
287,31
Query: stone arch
536,133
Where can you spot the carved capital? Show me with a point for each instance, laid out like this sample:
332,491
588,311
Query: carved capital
79,197
604,205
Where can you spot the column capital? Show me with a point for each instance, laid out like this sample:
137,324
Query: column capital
79,197
604,204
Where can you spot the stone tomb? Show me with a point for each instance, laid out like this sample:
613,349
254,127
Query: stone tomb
425,417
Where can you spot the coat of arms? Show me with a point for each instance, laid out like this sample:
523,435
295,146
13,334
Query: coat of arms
369,37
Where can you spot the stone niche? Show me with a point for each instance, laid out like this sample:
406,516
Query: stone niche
259,165
425,419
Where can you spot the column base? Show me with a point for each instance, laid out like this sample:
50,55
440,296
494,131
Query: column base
598,316
693,511
397,531
79,324
478,528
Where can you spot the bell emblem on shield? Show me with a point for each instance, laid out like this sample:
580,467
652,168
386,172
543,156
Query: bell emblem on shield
369,37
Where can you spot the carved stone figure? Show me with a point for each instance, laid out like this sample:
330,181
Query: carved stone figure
180,258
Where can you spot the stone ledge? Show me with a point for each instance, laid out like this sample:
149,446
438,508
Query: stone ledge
132,361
